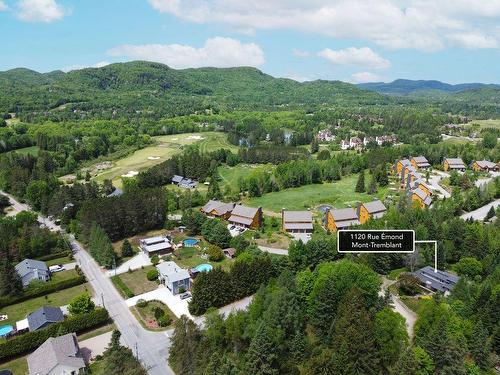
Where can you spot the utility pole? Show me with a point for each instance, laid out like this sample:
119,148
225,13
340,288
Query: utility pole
102,299
136,351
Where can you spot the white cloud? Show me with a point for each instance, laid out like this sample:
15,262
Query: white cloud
355,56
364,77
100,64
399,24
216,52
3,6
40,11
298,77
474,40
300,53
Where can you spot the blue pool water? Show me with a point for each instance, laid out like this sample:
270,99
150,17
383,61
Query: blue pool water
204,267
190,242
5,330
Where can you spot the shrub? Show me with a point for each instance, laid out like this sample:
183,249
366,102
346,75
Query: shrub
47,289
122,287
141,303
29,341
408,284
164,321
155,260
215,253
158,312
152,275
59,254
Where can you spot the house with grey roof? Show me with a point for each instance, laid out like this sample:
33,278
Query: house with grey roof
246,217
342,218
30,269
174,277
423,199
116,193
454,164
420,162
57,356
484,165
441,281
217,209
44,317
296,221
370,210
158,245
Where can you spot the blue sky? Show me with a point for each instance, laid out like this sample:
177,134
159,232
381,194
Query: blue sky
349,40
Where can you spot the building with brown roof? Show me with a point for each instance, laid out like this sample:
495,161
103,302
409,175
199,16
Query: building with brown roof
217,209
419,196
246,217
484,165
400,164
420,162
297,221
341,218
370,210
454,164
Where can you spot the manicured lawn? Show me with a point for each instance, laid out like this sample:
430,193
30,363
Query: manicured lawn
339,194
62,260
97,332
190,257
230,175
18,366
486,123
64,275
165,147
145,315
63,297
415,304
32,150
394,274
137,282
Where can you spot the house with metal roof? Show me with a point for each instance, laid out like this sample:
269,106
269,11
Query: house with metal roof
419,196
176,179
454,164
217,209
296,221
57,356
420,162
370,210
342,218
400,164
30,269
116,193
246,217
441,281
176,279
159,245
43,317
484,165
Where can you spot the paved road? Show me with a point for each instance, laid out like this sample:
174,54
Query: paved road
434,182
484,181
481,212
151,347
400,307
272,250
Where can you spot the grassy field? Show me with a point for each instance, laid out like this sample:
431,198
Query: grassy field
339,194
230,175
486,123
20,310
190,257
32,150
62,260
18,366
137,281
165,147
97,332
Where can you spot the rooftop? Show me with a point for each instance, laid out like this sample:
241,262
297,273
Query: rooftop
375,206
297,216
172,271
45,314
25,267
440,280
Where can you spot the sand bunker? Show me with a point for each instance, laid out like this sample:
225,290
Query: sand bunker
153,157
130,174
195,137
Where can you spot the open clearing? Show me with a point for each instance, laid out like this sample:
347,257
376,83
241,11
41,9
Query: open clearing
32,150
486,123
230,175
338,194
166,146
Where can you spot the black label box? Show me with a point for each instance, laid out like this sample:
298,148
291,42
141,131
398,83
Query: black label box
375,241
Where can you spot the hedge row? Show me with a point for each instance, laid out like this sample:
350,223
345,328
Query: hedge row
24,343
48,257
122,287
47,289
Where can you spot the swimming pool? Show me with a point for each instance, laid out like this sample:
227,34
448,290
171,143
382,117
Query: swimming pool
190,242
205,267
5,330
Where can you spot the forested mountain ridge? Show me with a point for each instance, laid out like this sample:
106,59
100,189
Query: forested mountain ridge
143,85
407,86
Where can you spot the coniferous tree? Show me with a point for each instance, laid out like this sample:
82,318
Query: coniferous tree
262,357
185,345
214,191
360,185
127,250
372,187
480,346
10,282
314,146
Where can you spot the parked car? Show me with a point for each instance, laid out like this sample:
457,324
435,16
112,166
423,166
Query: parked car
185,295
232,227
56,268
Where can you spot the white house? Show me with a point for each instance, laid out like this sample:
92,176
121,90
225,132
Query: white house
174,277
159,245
